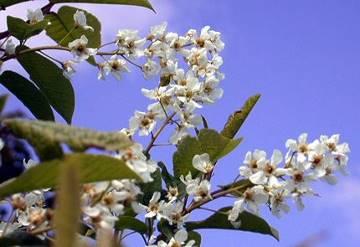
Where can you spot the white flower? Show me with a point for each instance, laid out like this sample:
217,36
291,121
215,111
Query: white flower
157,32
99,217
172,194
80,20
199,189
338,151
253,162
189,94
115,66
301,147
179,133
35,16
130,43
202,163
179,239
137,161
154,207
173,213
177,44
269,171
142,121
250,200
113,201
209,90
10,47
150,69
69,69
79,49
299,181
188,118
209,39
278,202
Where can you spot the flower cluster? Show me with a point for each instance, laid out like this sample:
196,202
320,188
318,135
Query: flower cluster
304,163
187,73
188,67
134,157
184,86
103,203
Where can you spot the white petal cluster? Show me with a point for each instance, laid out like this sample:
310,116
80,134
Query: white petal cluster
80,20
197,187
134,157
113,66
80,50
9,49
184,87
179,239
103,202
35,16
305,162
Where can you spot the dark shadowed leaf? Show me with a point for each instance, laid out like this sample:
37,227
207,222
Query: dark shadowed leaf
62,23
131,223
23,30
249,222
192,235
92,168
22,238
3,100
7,3
148,189
51,82
237,119
142,3
28,94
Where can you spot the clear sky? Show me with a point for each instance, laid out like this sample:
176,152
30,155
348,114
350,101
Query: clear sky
302,56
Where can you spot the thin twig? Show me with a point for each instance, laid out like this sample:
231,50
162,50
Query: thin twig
157,134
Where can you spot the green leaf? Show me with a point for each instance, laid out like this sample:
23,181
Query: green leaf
237,119
23,30
67,213
208,141
172,181
182,158
51,82
169,179
7,3
215,144
192,235
131,223
249,222
141,3
78,139
166,229
92,168
62,25
3,100
28,94
148,189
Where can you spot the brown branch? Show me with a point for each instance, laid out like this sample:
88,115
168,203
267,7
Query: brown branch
157,134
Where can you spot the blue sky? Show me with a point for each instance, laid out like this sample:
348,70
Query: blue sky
302,56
